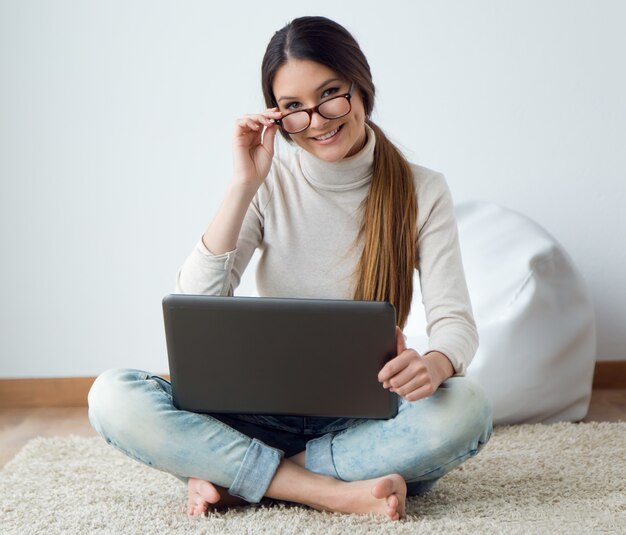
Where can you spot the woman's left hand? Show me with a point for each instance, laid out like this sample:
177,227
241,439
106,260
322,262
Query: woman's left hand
409,374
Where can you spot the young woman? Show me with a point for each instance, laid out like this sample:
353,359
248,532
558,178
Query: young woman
342,216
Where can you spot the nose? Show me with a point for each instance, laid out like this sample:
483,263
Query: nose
317,121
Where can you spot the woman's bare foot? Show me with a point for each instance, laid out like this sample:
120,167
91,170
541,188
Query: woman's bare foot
384,495
202,493
388,493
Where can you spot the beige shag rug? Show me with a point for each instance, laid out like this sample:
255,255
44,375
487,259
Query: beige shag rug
559,478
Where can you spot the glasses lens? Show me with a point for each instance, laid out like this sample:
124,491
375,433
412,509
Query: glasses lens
296,121
335,107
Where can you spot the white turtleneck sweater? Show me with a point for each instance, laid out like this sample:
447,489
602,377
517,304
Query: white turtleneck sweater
303,219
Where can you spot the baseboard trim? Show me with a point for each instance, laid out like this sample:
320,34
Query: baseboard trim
46,392
609,374
72,391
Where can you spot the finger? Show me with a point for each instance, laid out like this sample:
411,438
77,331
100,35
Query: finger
407,375
266,118
268,138
395,365
273,112
389,369
259,122
400,341
245,125
422,392
256,122
249,122
413,384
268,113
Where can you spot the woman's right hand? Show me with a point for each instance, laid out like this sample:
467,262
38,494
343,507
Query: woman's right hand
251,157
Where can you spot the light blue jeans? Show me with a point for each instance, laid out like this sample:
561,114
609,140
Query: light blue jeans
133,411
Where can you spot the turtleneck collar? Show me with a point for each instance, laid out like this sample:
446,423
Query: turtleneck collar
349,173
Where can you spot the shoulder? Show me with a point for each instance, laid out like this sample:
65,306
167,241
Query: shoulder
432,191
426,179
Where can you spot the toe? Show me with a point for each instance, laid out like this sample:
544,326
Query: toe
392,513
208,492
392,505
192,504
382,488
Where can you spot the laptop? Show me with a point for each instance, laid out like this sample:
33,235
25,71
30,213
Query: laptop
280,356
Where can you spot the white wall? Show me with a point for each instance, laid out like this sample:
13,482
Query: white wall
115,125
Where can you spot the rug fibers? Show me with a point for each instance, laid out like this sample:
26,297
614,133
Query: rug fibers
532,478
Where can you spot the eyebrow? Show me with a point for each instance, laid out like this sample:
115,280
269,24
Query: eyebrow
317,89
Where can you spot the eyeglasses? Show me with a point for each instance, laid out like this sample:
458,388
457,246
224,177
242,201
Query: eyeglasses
333,108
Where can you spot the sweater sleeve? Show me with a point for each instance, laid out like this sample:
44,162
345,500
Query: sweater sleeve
206,273
450,326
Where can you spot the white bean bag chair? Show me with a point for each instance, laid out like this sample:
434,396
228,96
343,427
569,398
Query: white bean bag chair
534,317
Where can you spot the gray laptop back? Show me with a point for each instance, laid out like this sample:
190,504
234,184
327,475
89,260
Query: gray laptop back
280,356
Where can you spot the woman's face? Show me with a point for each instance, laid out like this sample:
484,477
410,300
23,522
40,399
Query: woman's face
302,84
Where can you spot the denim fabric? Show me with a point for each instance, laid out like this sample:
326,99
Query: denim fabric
133,411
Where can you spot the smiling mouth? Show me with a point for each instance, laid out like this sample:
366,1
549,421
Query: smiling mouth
329,134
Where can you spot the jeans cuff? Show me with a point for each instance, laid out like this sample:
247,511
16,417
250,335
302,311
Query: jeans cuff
319,456
256,471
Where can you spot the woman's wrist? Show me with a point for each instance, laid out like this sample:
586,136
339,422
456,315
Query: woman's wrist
442,364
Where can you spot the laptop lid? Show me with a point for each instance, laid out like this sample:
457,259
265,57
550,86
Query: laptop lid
280,356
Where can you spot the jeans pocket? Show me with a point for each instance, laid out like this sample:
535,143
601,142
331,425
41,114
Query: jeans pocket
160,384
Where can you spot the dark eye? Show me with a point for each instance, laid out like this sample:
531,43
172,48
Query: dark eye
330,91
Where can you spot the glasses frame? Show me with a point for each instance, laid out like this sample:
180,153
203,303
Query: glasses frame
309,111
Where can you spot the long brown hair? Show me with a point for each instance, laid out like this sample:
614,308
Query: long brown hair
386,266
